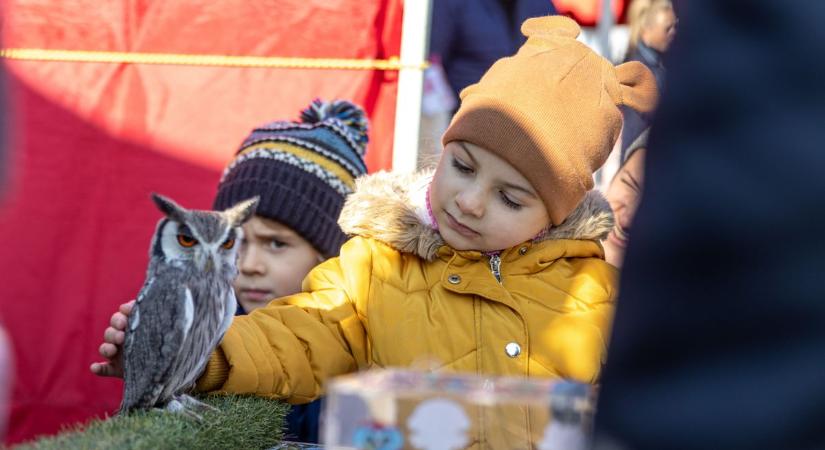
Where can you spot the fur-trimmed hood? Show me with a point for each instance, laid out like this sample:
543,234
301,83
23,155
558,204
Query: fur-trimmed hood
391,208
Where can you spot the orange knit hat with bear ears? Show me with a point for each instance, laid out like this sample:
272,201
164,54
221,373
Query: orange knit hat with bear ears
551,110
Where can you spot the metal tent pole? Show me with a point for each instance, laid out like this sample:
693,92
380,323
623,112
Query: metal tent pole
415,33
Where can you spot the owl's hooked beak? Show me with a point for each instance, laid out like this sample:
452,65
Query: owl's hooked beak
204,262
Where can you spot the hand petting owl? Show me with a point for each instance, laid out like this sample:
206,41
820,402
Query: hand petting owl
185,306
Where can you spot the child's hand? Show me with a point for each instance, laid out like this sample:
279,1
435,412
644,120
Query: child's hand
113,344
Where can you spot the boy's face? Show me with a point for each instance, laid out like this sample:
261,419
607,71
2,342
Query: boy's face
481,202
272,262
623,194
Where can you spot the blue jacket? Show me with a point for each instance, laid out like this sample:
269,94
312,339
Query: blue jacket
470,35
635,122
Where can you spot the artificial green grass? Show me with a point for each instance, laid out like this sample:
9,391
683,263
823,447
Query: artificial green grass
241,422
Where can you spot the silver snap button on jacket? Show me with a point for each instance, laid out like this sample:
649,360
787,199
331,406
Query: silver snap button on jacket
454,279
512,349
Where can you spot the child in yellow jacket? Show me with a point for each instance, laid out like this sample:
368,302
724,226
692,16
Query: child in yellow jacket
491,264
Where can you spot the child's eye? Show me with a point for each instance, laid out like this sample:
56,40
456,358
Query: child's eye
461,167
508,202
275,244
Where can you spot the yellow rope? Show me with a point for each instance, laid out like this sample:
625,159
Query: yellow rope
36,54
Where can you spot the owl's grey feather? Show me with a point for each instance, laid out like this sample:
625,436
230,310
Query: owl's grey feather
155,344
186,303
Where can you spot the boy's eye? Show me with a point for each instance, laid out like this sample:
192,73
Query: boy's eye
228,244
508,202
461,167
186,241
276,244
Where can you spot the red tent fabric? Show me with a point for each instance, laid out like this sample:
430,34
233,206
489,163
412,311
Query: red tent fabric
90,141
588,12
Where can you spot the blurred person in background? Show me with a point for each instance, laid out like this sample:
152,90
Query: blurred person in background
652,26
718,337
467,37
624,194
6,355
6,379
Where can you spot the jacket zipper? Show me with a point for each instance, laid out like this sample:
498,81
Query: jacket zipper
495,266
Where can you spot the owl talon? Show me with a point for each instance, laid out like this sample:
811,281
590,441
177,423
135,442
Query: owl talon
177,407
193,404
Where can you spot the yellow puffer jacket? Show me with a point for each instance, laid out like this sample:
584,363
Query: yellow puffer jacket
397,296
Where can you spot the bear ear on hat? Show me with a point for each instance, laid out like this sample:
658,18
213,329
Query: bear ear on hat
550,27
637,86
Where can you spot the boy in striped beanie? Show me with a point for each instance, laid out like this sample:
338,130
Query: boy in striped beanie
302,172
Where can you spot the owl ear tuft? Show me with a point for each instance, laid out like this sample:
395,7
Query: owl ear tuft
242,211
167,206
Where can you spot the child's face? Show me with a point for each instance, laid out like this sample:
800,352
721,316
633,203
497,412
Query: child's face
623,194
272,262
481,202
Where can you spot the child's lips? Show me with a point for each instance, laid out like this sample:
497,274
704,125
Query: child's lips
257,295
459,227
618,236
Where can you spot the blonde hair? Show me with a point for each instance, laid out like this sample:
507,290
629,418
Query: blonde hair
639,15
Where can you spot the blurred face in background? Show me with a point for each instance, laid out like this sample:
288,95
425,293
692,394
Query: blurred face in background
659,29
623,194
272,262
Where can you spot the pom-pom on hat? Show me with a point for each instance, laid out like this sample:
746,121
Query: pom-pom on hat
551,110
302,171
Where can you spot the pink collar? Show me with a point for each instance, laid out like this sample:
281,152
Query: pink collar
430,209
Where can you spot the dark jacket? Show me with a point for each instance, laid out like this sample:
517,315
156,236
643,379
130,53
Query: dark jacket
718,338
470,35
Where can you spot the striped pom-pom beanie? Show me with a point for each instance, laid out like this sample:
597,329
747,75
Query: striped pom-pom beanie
302,171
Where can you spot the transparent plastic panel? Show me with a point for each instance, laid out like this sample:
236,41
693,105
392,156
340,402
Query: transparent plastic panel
400,409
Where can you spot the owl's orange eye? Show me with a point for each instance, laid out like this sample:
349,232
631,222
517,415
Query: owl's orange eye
186,241
228,244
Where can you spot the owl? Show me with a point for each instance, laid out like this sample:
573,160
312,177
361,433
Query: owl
185,306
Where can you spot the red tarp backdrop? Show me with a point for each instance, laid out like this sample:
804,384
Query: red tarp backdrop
90,141
588,12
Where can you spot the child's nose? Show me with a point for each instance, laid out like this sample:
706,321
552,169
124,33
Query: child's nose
249,262
470,202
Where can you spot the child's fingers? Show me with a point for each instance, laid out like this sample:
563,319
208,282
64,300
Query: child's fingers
105,370
98,368
118,321
114,336
126,308
108,351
